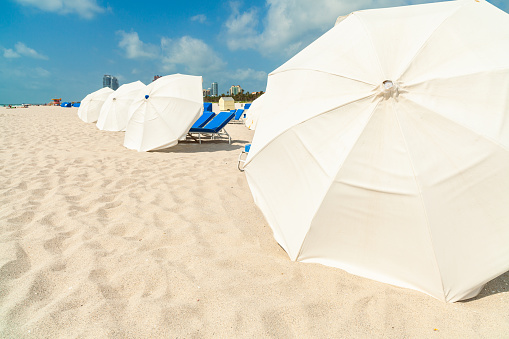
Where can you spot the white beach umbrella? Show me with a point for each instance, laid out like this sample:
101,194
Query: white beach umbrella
114,111
253,113
163,112
383,148
90,106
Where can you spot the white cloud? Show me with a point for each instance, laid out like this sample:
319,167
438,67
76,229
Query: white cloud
84,8
24,50
290,25
241,29
193,54
41,72
135,48
23,72
248,74
10,54
20,49
201,18
190,56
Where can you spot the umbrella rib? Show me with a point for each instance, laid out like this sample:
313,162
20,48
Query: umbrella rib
161,118
421,199
319,71
309,152
426,42
460,124
372,44
410,84
157,112
325,112
182,99
334,178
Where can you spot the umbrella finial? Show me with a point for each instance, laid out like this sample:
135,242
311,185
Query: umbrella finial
389,89
146,96
388,84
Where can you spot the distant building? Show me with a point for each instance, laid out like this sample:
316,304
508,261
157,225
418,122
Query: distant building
206,92
214,91
110,81
156,77
234,90
226,103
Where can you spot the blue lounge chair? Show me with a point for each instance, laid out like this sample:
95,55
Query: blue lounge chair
203,119
243,161
214,128
207,106
238,114
246,106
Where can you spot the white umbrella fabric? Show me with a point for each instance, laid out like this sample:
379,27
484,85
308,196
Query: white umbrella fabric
90,106
258,106
383,148
114,111
164,112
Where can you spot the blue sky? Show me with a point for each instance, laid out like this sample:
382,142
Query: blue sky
62,48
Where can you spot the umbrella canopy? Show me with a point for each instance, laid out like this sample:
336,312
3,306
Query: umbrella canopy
383,148
163,112
258,106
90,106
114,111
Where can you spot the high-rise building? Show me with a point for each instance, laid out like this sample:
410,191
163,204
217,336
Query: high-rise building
234,90
214,90
110,81
114,84
206,92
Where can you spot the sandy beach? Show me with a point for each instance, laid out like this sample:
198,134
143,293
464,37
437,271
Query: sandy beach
98,241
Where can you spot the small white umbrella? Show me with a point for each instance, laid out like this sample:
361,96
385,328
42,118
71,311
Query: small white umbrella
164,112
114,111
255,109
90,106
383,148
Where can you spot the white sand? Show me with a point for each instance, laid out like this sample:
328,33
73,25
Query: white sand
100,241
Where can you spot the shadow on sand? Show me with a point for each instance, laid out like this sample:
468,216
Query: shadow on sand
206,146
498,285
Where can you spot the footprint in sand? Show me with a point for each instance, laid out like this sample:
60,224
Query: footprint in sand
15,268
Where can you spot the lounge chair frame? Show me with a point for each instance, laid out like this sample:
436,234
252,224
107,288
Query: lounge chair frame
212,136
242,160
216,128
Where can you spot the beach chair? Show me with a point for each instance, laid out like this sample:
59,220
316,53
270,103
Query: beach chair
241,159
215,128
207,107
238,115
203,119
